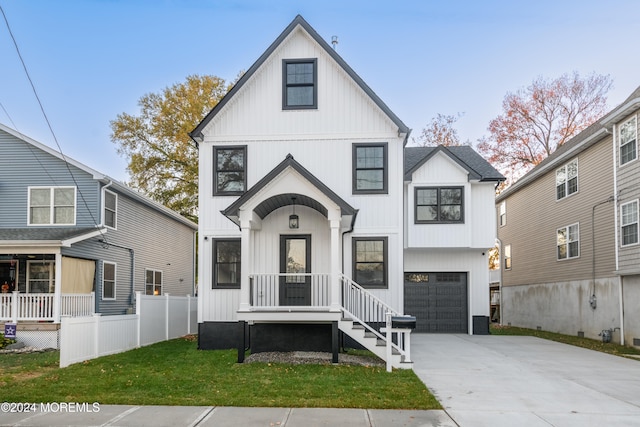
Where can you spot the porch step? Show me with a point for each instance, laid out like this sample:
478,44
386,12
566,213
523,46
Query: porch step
372,343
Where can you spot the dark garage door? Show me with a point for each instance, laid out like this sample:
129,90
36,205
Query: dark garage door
437,300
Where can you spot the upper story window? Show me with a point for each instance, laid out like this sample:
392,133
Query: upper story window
629,223
568,242
108,280
370,174
567,180
226,263
507,257
153,282
503,214
370,261
299,84
110,209
628,141
52,205
439,205
230,170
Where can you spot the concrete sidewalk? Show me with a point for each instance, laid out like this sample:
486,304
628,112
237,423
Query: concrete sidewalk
200,416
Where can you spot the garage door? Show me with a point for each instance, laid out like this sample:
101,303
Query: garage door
437,300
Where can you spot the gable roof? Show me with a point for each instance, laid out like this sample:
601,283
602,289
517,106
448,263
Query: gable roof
273,203
585,139
196,134
105,179
465,156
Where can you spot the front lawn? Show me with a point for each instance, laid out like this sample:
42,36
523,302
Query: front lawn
176,373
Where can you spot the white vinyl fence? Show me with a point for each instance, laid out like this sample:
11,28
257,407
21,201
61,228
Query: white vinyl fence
157,318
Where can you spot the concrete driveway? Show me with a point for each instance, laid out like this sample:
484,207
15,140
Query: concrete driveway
525,381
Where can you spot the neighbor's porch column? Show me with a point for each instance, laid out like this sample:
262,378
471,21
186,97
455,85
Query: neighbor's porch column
336,304
57,288
245,264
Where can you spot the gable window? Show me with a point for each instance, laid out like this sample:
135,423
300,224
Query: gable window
370,261
226,263
52,205
108,280
370,169
567,180
568,242
507,257
110,208
629,223
628,141
230,170
153,282
503,214
439,205
299,84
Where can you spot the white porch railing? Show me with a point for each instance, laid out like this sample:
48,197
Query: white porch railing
265,290
372,313
31,306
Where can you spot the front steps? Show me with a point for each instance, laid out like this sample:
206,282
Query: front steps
371,342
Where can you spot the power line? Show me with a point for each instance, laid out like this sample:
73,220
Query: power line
46,118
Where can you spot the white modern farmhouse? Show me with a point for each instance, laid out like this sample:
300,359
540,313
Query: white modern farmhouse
316,221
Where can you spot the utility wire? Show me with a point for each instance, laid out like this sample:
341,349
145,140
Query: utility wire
46,118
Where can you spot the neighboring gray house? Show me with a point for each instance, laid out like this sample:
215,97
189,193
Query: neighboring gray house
569,234
74,241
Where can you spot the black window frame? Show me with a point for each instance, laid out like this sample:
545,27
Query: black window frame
384,168
214,259
438,205
385,262
286,85
216,171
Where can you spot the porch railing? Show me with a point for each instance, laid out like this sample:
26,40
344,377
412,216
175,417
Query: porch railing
266,290
32,306
371,312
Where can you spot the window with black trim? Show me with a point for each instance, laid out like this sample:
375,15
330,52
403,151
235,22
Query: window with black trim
628,141
370,261
567,180
568,242
437,205
370,169
226,263
230,170
299,84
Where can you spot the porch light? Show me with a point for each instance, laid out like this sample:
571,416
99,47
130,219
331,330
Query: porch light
293,218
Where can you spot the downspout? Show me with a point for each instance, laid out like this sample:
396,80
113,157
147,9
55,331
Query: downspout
615,234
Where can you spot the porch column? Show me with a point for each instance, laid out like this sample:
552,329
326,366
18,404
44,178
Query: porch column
57,288
335,265
245,262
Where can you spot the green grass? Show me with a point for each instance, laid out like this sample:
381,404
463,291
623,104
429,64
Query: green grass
591,344
176,373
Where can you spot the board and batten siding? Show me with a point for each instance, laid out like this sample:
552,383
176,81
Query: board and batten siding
24,166
533,216
628,176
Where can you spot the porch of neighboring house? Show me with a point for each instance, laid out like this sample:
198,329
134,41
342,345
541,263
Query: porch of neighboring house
35,294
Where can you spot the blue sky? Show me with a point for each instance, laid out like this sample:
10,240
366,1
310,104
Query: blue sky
93,59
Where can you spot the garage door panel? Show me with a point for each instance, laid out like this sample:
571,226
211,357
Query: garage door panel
438,300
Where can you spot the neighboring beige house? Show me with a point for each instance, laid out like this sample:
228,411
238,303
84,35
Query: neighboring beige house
568,232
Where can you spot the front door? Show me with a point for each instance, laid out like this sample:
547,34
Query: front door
295,258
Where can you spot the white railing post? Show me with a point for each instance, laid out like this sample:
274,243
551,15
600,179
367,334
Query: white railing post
57,289
14,307
389,335
407,346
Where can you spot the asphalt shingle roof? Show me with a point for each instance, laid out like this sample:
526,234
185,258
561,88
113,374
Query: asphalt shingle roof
465,155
